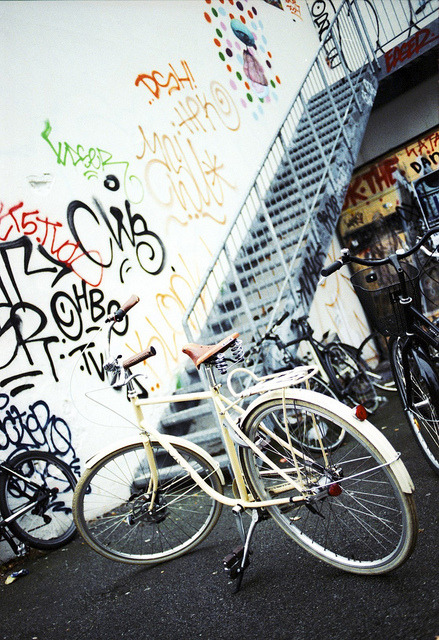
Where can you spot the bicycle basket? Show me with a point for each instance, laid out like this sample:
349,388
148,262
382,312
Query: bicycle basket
378,289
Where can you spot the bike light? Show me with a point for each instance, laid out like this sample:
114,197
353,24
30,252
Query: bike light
334,489
360,412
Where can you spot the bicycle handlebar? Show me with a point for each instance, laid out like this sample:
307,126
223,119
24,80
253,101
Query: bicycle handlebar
335,266
283,317
346,257
138,357
120,314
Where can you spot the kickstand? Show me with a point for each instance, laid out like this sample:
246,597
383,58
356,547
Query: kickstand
237,561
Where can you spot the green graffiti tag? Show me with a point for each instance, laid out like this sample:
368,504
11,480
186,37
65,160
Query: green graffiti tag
94,160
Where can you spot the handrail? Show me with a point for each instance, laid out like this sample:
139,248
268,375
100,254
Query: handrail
349,22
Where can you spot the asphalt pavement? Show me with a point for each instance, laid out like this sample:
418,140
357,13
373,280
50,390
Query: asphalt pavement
75,594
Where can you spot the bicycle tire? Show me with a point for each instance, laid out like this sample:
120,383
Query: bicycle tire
349,378
49,524
111,505
423,419
370,527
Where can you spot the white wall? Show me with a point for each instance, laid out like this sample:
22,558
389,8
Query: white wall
181,147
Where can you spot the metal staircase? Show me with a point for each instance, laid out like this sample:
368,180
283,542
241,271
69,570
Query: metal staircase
279,239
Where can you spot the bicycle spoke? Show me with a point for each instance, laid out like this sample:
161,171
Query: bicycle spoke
364,525
120,519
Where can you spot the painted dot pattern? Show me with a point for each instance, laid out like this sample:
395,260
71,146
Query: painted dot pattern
250,67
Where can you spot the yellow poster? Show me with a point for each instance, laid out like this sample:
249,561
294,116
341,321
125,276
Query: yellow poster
383,189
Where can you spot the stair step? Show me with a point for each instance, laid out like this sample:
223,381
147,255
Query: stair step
185,415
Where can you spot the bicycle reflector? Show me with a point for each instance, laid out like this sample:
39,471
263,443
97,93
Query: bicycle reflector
360,412
334,489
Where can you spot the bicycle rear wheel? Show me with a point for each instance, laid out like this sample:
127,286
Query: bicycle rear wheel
46,486
112,505
357,517
422,409
349,378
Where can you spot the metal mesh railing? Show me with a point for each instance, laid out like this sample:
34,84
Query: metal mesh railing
254,273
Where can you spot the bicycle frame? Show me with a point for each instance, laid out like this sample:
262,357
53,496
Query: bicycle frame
317,347
223,406
415,323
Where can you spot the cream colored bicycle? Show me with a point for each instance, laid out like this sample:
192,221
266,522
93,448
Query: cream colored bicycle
154,497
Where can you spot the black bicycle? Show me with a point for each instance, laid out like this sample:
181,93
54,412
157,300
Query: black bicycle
390,293
380,374
36,492
347,376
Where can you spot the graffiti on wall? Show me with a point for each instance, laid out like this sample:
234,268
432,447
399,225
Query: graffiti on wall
35,427
382,188
179,174
128,221
382,212
96,162
338,52
243,47
94,239
171,80
418,43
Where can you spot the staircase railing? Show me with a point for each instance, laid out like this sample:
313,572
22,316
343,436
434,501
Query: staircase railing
347,55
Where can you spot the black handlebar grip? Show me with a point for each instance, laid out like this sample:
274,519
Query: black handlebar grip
138,357
335,266
123,310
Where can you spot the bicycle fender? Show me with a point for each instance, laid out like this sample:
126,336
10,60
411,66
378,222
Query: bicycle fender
346,414
97,457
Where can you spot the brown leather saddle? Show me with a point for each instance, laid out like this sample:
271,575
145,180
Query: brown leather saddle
200,353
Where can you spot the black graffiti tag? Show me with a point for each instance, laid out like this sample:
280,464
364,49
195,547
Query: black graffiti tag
36,427
115,228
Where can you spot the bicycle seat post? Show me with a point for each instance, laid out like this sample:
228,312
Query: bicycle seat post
210,374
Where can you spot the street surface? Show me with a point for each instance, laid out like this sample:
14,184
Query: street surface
74,594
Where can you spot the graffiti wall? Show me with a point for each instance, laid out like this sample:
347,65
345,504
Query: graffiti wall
131,133
391,202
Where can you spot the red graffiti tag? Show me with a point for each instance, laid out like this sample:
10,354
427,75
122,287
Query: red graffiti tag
15,222
409,49
377,178
155,81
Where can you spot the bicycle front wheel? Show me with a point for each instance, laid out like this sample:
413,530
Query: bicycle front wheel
43,491
349,378
112,505
422,408
355,516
